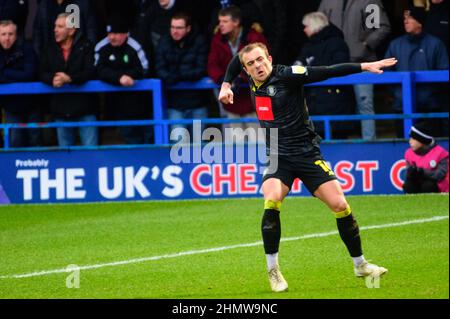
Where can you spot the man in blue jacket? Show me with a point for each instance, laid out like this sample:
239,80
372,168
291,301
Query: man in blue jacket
415,51
18,64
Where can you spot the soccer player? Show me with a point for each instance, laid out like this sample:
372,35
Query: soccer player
277,92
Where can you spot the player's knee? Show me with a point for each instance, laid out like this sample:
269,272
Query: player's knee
340,205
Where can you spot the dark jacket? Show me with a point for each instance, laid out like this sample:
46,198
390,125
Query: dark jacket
327,47
220,55
415,53
183,61
80,67
437,21
46,15
17,64
15,10
274,23
113,62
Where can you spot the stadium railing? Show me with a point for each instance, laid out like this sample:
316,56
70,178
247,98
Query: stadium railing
407,80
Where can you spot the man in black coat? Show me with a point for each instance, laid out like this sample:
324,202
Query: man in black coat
326,46
46,15
121,60
182,56
18,64
70,60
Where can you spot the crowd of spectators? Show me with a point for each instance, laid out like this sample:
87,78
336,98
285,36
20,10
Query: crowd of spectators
119,42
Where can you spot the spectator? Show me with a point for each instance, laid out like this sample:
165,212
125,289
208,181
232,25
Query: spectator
268,17
417,50
232,37
18,64
182,56
46,15
326,46
437,20
70,60
159,15
426,163
274,24
15,10
120,60
352,17
296,10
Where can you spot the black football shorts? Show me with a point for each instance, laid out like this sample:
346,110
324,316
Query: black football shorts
312,170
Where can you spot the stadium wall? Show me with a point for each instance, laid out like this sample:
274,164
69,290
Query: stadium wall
156,173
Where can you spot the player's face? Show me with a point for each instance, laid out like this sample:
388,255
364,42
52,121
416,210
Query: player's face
257,64
8,36
415,144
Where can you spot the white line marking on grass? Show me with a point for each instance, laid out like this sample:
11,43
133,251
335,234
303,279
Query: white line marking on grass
209,250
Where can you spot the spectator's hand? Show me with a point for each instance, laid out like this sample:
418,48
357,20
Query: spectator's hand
226,94
57,81
420,171
64,77
377,66
126,80
414,172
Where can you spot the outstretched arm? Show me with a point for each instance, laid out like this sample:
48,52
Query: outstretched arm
378,66
316,74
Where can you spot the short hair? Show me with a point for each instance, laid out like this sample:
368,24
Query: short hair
316,21
233,11
4,23
65,15
250,47
183,16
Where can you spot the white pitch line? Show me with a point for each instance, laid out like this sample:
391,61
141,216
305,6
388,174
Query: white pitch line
209,250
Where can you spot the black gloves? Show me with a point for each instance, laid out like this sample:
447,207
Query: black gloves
414,172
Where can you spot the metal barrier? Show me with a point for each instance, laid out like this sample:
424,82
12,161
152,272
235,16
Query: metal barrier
408,81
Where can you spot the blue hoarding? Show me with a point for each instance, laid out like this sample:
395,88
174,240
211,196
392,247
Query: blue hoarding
157,173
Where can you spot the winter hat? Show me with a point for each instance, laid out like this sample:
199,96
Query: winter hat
418,14
421,133
117,24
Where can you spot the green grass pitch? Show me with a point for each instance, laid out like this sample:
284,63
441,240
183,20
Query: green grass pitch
44,238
